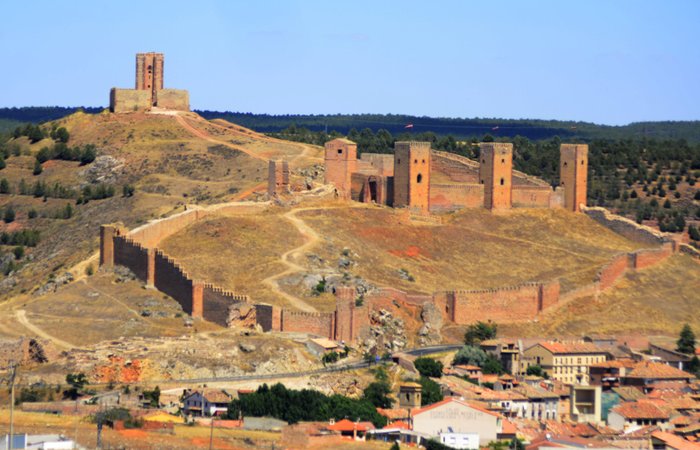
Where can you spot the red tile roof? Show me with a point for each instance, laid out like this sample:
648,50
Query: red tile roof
675,442
571,347
657,371
347,425
397,424
451,400
393,413
641,410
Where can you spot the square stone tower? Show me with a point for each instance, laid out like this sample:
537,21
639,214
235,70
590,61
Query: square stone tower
412,175
573,175
341,162
149,73
410,395
278,177
496,174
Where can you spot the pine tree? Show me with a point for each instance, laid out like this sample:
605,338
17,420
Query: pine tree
686,341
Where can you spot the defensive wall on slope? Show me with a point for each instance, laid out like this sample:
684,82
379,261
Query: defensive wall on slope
138,251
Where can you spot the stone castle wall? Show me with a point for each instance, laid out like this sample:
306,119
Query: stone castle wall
452,197
129,100
532,196
175,99
626,227
131,254
216,303
610,273
171,279
321,324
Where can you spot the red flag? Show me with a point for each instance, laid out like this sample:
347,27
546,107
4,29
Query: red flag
495,128
410,125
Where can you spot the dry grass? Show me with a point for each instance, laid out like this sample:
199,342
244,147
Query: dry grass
473,249
658,299
236,252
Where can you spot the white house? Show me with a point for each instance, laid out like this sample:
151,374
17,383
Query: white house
208,403
454,417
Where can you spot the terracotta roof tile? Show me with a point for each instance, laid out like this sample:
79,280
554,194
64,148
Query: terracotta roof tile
675,442
658,371
571,347
640,410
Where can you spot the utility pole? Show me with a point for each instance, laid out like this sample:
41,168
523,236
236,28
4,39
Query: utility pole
13,376
211,433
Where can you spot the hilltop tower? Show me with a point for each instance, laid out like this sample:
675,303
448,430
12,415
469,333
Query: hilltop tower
412,175
341,162
277,177
496,174
573,175
149,73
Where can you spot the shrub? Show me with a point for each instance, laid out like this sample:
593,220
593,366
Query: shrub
32,213
38,168
428,367
480,331
4,186
9,215
18,252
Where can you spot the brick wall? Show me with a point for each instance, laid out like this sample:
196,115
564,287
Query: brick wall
131,254
129,100
412,175
382,164
514,303
176,99
649,257
172,280
216,303
451,197
573,170
496,173
320,324
613,271
532,196
277,177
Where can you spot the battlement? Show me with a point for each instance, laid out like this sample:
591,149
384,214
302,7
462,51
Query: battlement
516,287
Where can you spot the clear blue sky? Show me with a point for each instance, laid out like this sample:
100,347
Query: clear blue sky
603,61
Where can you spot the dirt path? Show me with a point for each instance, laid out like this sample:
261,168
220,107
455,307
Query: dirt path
21,316
204,135
312,238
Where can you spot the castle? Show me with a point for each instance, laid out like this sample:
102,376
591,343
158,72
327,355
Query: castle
426,181
149,91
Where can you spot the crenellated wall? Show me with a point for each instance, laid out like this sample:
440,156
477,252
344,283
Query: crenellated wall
131,254
171,279
216,303
321,324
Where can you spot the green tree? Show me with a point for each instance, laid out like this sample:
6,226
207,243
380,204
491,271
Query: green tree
480,331
693,233
535,370
38,168
4,186
430,391
61,135
686,341
18,252
77,382
377,393
428,367
9,215
88,154
470,355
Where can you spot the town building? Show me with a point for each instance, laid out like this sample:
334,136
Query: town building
586,403
457,417
206,403
646,375
507,351
562,361
631,415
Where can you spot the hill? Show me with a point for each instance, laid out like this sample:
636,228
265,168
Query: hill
465,128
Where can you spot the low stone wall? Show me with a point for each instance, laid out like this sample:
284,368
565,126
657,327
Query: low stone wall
626,227
649,257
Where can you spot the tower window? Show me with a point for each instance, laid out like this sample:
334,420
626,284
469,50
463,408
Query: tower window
503,161
419,178
398,161
565,164
483,161
502,181
424,161
340,151
581,162
415,161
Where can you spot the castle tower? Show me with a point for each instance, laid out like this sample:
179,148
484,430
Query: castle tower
277,178
412,175
496,174
573,175
149,73
341,162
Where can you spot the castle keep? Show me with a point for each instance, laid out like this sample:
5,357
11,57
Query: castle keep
425,181
149,91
